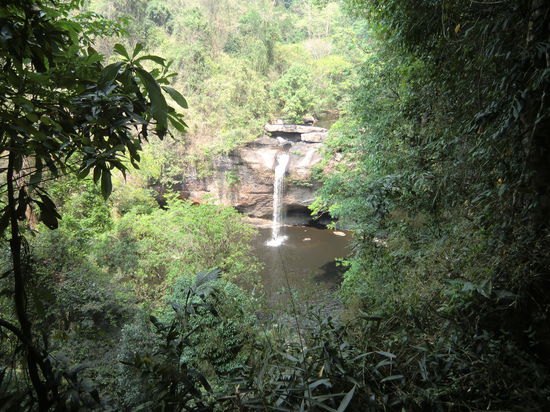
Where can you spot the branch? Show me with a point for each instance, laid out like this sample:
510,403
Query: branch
42,181
12,328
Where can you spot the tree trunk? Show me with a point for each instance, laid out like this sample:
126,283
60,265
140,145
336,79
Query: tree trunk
20,298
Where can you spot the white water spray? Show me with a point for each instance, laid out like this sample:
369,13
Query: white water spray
280,169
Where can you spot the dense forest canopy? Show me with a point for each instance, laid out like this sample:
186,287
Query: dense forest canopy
109,301
241,64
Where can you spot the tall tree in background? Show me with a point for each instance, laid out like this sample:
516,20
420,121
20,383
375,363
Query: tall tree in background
63,111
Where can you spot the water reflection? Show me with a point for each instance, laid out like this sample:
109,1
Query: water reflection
307,258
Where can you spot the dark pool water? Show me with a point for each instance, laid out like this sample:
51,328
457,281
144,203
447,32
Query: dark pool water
305,262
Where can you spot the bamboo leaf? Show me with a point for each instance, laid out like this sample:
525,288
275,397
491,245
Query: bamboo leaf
347,399
179,126
386,354
392,378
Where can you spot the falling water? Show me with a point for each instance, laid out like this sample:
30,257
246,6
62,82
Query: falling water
280,169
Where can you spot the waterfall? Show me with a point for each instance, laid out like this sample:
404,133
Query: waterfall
278,185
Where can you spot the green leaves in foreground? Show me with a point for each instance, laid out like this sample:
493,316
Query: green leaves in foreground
159,108
98,124
174,94
325,368
63,112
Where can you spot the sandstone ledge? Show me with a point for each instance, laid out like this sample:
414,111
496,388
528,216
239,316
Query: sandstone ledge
293,128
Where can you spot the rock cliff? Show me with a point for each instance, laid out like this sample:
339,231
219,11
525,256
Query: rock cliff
244,178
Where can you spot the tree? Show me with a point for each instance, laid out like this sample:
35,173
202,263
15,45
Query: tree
63,111
292,93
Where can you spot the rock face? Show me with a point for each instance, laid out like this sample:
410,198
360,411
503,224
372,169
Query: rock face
297,132
244,178
292,128
313,137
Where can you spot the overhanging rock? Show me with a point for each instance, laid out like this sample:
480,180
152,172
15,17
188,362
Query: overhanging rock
297,132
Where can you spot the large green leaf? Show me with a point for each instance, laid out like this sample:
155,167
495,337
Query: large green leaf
206,276
108,75
106,183
156,59
179,125
137,49
48,211
120,49
159,108
174,94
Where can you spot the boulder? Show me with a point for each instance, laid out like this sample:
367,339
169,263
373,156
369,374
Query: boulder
308,120
262,142
314,137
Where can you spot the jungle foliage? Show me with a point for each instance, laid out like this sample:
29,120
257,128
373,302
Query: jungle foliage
240,65
138,301
64,111
444,179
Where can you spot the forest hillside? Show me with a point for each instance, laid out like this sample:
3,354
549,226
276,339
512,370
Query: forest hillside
118,293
